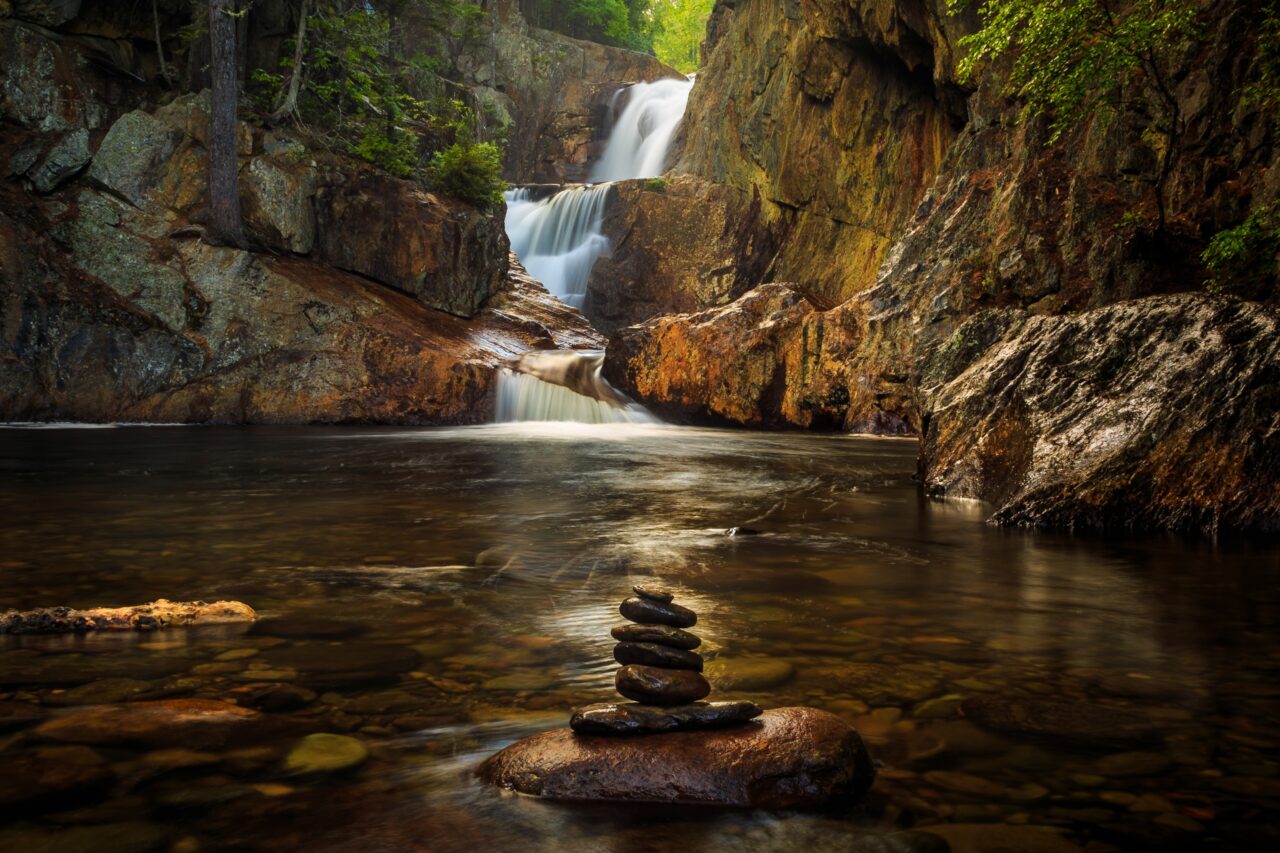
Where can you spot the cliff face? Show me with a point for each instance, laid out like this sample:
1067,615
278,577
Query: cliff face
914,205
555,92
368,299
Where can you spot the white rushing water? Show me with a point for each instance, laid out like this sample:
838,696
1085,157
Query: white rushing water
558,238
563,385
641,135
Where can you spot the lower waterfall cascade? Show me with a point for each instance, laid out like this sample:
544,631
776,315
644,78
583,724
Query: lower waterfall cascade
563,385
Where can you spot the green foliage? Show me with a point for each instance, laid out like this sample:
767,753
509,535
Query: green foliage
1071,56
681,26
624,23
471,171
1265,90
1241,258
361,95
655,185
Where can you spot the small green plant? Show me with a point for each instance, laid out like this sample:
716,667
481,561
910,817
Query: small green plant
1241,258
471,171
655,185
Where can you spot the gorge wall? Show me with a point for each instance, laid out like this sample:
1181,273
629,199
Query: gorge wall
364,299
901,209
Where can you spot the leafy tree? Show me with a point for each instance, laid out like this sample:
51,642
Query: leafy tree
681,26
1072,58
471,171
623,23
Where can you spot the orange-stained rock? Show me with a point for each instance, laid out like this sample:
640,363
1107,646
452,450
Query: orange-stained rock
160,613
195,723
787,758
768,359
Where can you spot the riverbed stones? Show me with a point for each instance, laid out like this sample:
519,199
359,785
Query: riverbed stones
324,752
653,685
664,635
612,718
648,611
1070,721
655,654
786,758
194,723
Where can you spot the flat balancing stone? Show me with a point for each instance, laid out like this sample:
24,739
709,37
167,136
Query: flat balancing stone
652,654
647,611
663,635
787,758
653,593
614,718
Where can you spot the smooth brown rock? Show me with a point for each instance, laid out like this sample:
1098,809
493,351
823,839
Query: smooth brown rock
611,718
653,654
653,686
644,610
787,758
196,723
663,635
654,593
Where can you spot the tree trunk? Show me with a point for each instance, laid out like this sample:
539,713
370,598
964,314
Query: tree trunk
290,105
164,66
224,225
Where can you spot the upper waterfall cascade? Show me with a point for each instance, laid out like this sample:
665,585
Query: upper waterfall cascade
559,238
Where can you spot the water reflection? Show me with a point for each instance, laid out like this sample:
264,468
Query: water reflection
489,561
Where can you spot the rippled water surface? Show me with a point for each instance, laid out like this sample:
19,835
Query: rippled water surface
437,594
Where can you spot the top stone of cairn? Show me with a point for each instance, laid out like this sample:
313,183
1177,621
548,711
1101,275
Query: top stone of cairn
647,611
654,593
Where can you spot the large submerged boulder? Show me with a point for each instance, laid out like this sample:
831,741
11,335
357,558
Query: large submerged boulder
787,758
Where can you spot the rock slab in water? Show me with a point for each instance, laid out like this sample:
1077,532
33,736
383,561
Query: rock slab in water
612,718
663,635
787,758
647,611
653,686
193,723
161,613
653,654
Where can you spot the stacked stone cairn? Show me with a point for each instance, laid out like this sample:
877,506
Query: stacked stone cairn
661,673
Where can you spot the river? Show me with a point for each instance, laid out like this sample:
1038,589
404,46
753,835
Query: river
439,593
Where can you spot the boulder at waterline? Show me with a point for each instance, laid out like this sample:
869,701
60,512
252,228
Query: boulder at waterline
655,686
654,654
160,613
663,635
648,611
787,758
612,718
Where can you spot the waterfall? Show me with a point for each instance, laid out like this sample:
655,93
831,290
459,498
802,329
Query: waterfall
563,385
558,239
641,136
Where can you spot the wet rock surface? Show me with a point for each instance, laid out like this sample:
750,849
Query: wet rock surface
645,610
167,722
664,635
611,718
654,686
161,613
654,654
786,758
1070,721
